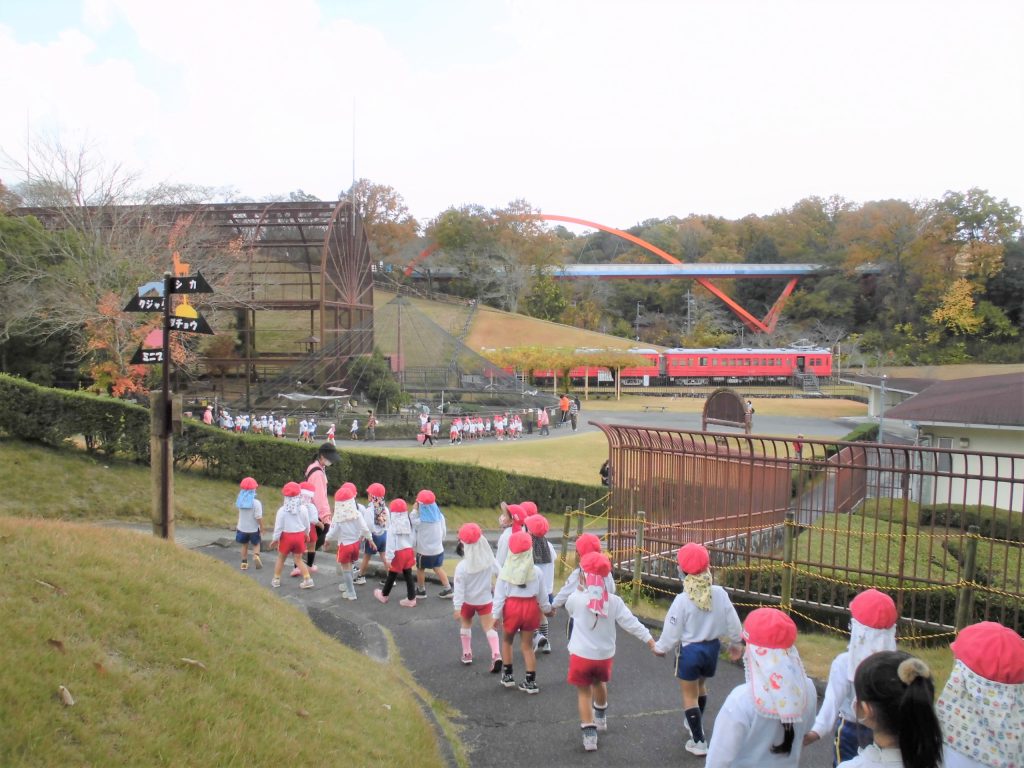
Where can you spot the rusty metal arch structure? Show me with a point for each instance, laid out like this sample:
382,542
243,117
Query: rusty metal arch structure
724,407
763,325
302,282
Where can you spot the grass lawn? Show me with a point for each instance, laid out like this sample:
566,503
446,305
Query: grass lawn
577,458
114,617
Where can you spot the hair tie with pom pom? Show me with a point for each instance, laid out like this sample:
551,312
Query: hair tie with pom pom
911,669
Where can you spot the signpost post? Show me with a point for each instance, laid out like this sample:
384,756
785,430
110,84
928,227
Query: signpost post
185,320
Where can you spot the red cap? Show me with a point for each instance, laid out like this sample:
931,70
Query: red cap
693,558
530,507
470,533
377,490
769,628
537,525
426,497
399,505
307,487
596,563
517,513
346,492
248,484
587,543
519,542
991,650
874,609
291,489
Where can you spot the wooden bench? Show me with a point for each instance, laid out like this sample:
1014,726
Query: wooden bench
649,408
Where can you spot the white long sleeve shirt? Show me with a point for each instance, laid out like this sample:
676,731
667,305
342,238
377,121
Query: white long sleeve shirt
891,756
593,637
501,548
533,588
290,522
548,569
429,537
572,582
472,588
838,701
685,623
348,531
743,739
396,541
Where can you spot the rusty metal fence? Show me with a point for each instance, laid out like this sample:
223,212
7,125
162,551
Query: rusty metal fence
809,525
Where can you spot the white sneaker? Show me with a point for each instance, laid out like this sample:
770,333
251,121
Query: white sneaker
590,738
601,719
699,748
307,584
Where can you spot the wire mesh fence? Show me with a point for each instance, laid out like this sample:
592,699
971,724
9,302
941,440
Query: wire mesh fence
808,525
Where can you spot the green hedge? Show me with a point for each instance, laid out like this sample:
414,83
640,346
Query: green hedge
52,416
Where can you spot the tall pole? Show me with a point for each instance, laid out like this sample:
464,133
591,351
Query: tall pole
165,416
881,410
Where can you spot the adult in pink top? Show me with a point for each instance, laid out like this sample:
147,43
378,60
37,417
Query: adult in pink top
316,474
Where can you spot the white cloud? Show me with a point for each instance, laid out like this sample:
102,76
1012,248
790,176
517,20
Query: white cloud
610,111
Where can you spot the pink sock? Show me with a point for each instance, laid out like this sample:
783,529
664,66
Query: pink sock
466,636
492,640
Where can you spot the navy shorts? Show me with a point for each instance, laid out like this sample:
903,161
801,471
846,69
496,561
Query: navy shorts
430,561
247,538
697,660
379,541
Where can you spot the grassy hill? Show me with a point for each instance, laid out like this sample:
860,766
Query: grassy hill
172,658
492,328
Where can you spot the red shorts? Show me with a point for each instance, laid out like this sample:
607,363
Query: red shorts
348,553
469,611
520,613
404,558
584,672
292,543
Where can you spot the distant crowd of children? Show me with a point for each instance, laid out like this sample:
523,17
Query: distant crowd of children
879,706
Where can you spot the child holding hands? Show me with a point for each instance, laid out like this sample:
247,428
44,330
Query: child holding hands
595,615
348,528
291,533
250,522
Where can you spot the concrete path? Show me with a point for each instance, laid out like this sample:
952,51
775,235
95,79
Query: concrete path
502,726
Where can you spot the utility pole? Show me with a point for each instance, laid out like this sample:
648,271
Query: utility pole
881,411
636,323
689,302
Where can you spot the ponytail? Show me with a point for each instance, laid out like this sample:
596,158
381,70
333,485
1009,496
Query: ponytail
899,687
787,740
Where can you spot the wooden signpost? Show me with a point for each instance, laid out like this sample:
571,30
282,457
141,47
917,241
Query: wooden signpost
165,412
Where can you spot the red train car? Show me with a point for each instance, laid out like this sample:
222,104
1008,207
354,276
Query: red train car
744,366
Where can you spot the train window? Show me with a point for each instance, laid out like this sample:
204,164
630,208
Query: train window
703,361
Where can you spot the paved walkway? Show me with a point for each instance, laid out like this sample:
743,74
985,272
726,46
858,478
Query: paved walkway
502,725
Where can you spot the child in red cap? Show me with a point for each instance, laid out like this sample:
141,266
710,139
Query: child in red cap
519,601
511,520
375,513
699,615
981,709
872,629
894,699
544,558
250,522
585,544
348,529
762,721
291,533
473,577
595,614
400,555
429,523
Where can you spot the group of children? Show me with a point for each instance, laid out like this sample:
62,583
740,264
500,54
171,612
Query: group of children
878,706
500,426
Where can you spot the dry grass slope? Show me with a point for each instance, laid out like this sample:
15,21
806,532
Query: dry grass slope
114,616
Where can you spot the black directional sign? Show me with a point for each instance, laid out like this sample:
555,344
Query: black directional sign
142,304
189,324
147,356
190,284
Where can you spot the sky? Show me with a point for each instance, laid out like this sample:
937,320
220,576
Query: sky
611,111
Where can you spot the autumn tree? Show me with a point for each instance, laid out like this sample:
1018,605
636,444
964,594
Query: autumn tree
389,225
